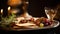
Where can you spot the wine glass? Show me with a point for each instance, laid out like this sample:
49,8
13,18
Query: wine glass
50,13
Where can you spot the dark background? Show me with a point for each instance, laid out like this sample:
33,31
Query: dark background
35,8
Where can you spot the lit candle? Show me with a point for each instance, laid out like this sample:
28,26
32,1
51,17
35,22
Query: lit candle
9,8
1,11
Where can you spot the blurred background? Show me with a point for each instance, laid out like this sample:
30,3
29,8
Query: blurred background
35,7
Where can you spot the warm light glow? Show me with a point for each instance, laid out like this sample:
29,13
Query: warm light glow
9,8
14,11
27,2
1,10
14,2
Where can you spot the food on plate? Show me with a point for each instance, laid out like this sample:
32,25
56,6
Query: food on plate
31,22
26,24
41,25
31,19
46,24
37,22
23,21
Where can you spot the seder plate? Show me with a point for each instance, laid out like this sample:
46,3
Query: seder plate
53,25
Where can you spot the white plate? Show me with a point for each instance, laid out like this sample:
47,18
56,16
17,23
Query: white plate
55,24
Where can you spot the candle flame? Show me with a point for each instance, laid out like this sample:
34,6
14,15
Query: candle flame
9,8
1,10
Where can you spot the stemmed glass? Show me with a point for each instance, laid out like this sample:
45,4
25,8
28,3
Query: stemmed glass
51,13
25,6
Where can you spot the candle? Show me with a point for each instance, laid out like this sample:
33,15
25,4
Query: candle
1,11
9,8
